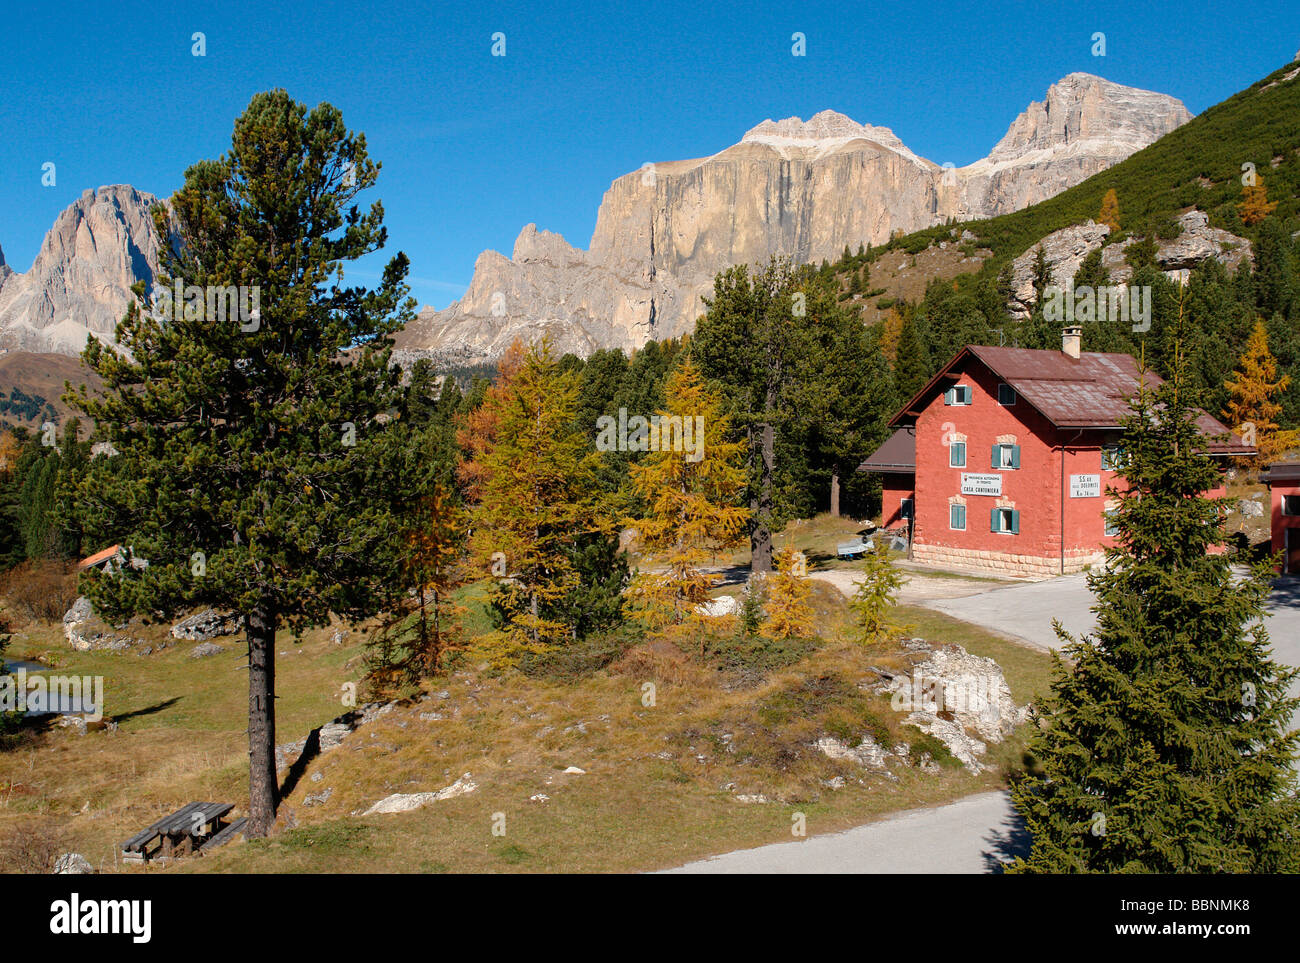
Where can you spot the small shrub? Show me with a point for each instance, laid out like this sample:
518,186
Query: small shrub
40,591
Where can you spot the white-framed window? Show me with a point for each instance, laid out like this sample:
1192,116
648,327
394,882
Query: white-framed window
958,395
1111,515
1004,520
905,508
957,517
1111,456
957,454
1291,504
1005,457
1006,395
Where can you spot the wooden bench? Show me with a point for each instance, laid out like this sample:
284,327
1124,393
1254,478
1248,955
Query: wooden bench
177,833
225,835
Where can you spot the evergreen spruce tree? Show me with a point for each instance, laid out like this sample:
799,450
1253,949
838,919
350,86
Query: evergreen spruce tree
1164,743
876,597
249,474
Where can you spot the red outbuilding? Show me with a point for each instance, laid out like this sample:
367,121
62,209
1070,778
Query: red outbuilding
1283,480
1011,453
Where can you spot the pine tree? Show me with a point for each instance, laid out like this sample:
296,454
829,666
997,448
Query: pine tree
789,614
876,597
1252,408
1255,205
250,473
1163,743
692,511
538,501
1109,214
912,369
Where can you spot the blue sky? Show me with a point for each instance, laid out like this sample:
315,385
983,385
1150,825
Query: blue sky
474,146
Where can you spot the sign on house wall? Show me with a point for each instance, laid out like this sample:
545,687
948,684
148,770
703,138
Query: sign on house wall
976,484
1085,486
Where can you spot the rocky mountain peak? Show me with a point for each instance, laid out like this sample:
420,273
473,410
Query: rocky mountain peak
79,284
1081,108
823,131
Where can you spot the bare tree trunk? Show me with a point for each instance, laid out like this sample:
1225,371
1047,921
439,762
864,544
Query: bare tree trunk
263,788
835,493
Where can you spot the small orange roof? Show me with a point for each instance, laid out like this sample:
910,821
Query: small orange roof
111,552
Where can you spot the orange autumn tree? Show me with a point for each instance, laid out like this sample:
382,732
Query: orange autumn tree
1109,214
1255,205
891,331
789,614
477,431
692,491
1252,406
425,626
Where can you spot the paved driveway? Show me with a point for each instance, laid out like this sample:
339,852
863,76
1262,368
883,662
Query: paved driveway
975,834
972,835
1026,612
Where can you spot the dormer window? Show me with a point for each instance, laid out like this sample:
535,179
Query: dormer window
958,395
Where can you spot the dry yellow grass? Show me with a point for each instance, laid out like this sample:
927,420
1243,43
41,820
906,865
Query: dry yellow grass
659,787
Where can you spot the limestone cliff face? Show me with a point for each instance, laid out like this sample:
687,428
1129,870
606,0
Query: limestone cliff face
79,285
802,189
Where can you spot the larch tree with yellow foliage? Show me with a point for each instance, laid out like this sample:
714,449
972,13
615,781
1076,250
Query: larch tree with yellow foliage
789,614
1252,409
1109,214
1255,205
692,486
537,500
424,627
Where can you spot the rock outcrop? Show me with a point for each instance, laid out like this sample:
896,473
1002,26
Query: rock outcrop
79,285
794,188
1065,250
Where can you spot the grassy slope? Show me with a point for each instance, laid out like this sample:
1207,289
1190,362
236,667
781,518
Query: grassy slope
648,799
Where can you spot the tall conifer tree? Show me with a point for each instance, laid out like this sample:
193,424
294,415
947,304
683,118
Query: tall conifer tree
249,474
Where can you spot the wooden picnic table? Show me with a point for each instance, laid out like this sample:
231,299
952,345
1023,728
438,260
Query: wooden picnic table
189,829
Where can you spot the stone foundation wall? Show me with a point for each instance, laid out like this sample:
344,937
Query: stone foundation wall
1004,563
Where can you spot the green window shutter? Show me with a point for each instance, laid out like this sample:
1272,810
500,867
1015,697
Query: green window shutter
961,515
949,396
995,458
995,518
1015,456
957,455
1015,522
966,396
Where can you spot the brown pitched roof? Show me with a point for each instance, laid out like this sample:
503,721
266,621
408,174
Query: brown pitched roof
1091,391
1282,473
896,456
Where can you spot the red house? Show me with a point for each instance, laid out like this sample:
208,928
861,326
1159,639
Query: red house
1284,488
1012,451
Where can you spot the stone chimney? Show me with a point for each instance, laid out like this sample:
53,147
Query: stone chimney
1071,340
